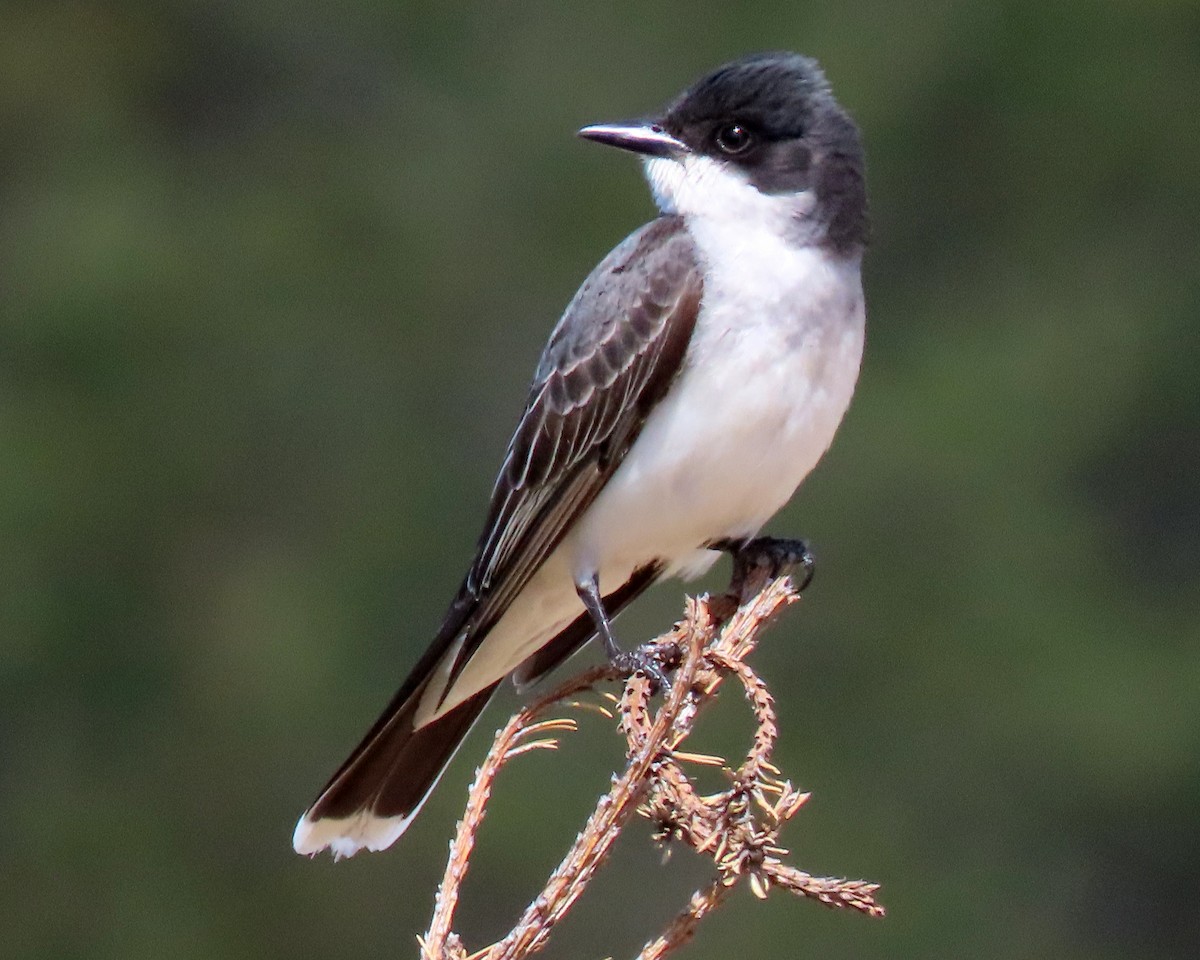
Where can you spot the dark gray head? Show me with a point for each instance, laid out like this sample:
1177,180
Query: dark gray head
771,120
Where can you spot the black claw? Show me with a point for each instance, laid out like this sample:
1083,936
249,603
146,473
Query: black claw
808,563
770,555
646,660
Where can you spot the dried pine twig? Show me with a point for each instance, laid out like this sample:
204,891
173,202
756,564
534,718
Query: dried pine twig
737,828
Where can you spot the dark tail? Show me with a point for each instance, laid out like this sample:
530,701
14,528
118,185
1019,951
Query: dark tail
374,796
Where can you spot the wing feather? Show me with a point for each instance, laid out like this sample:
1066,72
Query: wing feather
617,348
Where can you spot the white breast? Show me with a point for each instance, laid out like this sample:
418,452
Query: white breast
767,378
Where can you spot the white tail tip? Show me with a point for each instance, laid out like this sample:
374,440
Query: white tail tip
346,836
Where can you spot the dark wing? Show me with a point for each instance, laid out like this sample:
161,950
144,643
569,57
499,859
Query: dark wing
612,356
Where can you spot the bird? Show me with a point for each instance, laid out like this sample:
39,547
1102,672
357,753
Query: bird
694,380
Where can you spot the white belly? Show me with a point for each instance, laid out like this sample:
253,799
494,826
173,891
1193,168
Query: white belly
763,388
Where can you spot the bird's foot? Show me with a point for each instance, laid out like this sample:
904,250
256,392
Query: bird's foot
768,557
653,660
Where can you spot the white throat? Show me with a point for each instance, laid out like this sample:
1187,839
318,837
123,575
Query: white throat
763,252
718,196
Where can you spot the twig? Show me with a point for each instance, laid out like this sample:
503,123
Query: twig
738,828
680,930
433,945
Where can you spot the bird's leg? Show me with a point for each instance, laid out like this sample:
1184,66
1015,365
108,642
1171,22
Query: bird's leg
772,555
629,662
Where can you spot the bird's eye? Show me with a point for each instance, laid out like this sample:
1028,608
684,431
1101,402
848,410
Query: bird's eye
733,138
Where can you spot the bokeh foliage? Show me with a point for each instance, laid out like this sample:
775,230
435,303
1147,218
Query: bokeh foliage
272,278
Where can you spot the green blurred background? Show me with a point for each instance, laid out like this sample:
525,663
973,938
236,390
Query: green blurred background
273,277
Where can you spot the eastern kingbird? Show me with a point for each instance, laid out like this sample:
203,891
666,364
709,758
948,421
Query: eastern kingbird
695,379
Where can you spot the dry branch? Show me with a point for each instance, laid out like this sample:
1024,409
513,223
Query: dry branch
737,828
